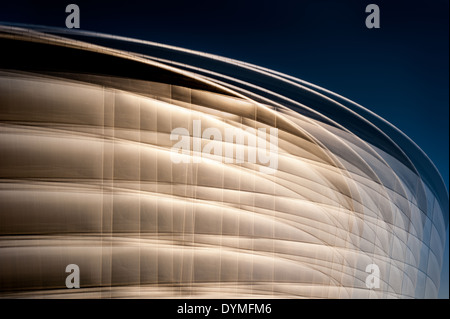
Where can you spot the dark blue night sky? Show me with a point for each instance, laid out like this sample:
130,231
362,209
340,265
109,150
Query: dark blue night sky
400,71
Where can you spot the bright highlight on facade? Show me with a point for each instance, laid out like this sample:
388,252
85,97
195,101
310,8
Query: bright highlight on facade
161,172
234,145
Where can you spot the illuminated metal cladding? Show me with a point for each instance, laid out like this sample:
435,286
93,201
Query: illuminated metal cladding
88,177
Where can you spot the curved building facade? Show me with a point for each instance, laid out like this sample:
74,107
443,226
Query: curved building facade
165,172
